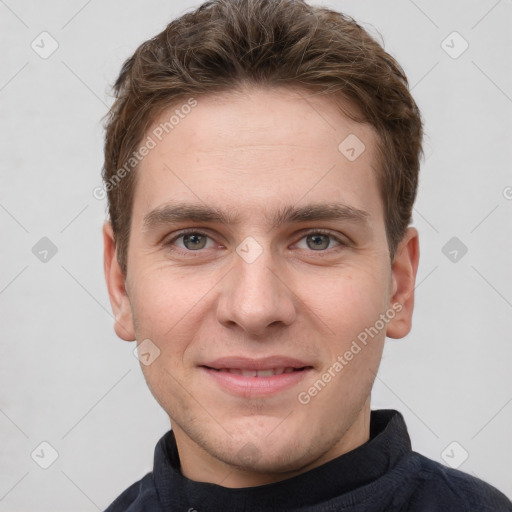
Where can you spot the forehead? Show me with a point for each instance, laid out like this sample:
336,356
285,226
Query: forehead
258,149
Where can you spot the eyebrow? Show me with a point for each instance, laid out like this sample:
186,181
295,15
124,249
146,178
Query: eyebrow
176,212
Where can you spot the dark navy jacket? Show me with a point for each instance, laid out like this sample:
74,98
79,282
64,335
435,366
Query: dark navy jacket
384,474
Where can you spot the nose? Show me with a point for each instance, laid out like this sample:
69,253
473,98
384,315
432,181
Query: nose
256,297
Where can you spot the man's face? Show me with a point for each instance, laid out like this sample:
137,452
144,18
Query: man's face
290,270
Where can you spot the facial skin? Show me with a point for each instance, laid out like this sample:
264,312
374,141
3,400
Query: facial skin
253,155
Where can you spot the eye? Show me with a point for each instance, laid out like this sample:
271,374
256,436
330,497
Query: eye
192,241
319,241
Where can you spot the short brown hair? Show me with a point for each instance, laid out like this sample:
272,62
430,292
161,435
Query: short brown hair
224,44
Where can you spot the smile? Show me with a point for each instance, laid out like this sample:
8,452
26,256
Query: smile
258,373
250,378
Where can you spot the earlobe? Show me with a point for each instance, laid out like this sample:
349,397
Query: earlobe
115,279
403,280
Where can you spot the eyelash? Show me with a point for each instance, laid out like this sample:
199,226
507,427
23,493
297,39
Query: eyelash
170,242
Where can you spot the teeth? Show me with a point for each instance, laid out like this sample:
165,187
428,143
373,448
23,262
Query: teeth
266,373
258,373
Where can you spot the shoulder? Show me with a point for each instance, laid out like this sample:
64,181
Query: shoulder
139,497
454,490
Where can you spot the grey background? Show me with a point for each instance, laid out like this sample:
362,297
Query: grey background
66,379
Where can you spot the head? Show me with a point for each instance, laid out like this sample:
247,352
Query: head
261,164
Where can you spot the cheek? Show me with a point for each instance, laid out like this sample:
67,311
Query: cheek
166,312
169,310
349,302
164,302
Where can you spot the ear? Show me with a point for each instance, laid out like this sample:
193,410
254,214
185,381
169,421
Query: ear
403,279
115,279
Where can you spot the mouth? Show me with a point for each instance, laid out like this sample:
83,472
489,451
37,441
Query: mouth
248,377
259,373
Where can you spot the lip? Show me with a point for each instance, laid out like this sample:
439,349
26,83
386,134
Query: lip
263,363
247,386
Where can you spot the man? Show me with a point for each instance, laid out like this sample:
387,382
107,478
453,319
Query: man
261,164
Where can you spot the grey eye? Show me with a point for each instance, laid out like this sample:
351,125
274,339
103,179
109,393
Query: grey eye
318,241
194,241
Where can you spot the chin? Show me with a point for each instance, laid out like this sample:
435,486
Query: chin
266,460
266,453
